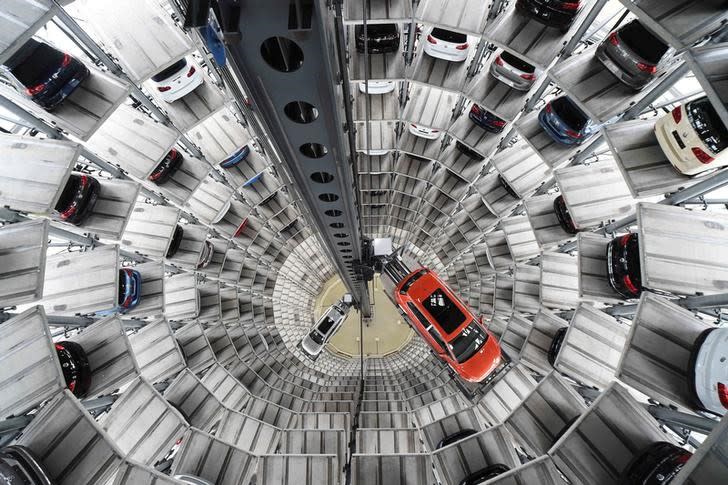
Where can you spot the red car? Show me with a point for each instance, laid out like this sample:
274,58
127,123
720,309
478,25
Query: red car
447,325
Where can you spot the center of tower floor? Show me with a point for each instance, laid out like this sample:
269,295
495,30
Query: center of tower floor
386,331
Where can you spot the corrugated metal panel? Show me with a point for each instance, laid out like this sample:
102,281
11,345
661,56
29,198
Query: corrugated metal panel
503,296
144,39
184,181
247,433
604,440
181,297
656,357
545,225
29,368
85,110
593,274
520,238
505,395
20,20
559,284
594,193
683,251
151,303
208,201
442,13
209,301
709,463
526,288
429,106
156,351
22,262
62,435
644,166
67,294
413,469
535,352
499,255
295,469
229,307
228,390
195,347
380,441
207,457
150,228
131,473
455,462
545,414
219,135
195,402
437,430
387,10
142,424
110,214
592,347
35,171
514,336
522,168
708,63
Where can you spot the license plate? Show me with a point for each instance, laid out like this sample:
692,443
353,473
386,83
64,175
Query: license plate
679,141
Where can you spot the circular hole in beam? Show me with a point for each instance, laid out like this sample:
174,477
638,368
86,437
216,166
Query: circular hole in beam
282,54
322,177
301,112
333,213
313,150
329,197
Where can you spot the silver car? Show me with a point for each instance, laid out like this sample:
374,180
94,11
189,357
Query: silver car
513,71
329,323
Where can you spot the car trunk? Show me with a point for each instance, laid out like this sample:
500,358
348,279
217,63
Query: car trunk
642,42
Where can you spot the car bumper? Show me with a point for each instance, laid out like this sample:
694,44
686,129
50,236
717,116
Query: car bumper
484,125
174,94
635,82
516,82
428,136
452,55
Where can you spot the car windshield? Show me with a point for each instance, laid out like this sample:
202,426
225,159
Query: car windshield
449,36
325,325
35,63
517,62
707,124
643,42
569,113
173,69
445,312
377,30
316,337
470,340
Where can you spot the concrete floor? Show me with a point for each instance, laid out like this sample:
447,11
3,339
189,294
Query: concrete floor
385,333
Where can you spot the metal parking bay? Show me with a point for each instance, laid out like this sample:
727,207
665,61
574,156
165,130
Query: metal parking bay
247,433
380,441
503,296
378,11
150,228
209,201
377,135
442,74
391,469
133,141
181,297
219,135
229,307
542,470
708,64
559,282
131,472
151,303
381,107
437,430
144,39
110,355
526,288
593,274
64,293
594,193
472,135
514,336
553,153
429,106
22,261
382,67
644,166
592,347
29,368
680,22
195,402
535,351
456,462
521,168
656,357
292,469
467,16
61,435
156,351
110,213
191,247
520,238
417,145
183,182
709,463
605,439
499,255
35,171
495,96
673,259
21,19
595,89
505,395
545,224
85,110
195,348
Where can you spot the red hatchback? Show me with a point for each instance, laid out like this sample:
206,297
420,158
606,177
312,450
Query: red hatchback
447,325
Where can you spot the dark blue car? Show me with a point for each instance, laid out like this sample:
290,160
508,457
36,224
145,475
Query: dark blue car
130,292
486,120
236,157
47,75
565,122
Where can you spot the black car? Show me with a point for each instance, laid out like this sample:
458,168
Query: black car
381,38
455,437
167,167
486,120
175,242
562,214
484,474
19,466
78,198
48,75
655,465
552,13
75,366
623,265
507,186
469,152
556,343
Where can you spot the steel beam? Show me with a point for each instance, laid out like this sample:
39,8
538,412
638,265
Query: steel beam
684,420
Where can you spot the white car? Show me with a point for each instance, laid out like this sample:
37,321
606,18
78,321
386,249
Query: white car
329,323
693,137
447,45
709,370
424,132
377,87
178,80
